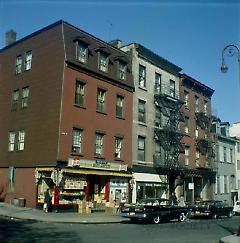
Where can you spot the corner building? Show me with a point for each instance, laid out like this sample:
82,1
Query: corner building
66,102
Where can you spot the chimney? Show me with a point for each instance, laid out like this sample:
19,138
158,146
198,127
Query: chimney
116,43
10,37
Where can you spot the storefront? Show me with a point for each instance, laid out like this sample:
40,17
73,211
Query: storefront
83,184
146,185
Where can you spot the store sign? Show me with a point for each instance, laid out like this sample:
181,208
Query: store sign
96,164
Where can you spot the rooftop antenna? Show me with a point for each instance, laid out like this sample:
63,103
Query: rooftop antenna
110,29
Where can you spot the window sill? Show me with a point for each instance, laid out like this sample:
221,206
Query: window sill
101,112
98,156
80,106
76,154
142,88
142,124
120,117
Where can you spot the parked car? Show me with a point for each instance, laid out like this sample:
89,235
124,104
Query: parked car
154,210
236,208
211,208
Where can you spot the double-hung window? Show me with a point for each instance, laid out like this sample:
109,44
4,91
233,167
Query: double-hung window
21,140
25,95
172,88
158,120
18,68
11,141
141,148
142,76
77,141
103,62
79,93
15,98
142,111
205,105
186,125
101,100
197,158
186,99
196,104
121,70
28,60
157,83
120,106
118,147
186,155
82,52
99,144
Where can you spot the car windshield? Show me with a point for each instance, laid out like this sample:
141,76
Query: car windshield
206,203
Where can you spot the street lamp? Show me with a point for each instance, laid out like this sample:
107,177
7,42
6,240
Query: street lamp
231,50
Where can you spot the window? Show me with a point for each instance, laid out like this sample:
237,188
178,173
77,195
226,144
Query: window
158,121
142,111
238,165
18,68
120,106
196,108
226,184
118,147
15,98
28,60
172,88
77,141
197,158
21,140
205,104
121,71
82,52
186,125
101,100
103,62
224,154
231,155
79,93
197,130
25,95
186,98
186,155
238,147
141,148
11,141
157,83
217,185
99,144
142,76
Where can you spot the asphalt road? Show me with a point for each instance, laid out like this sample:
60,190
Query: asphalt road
192,231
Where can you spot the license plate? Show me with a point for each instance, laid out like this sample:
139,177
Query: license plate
132,213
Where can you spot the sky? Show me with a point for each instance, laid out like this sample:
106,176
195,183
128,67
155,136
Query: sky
190,34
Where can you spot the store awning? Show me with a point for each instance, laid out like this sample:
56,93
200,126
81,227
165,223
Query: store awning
45,168
97,172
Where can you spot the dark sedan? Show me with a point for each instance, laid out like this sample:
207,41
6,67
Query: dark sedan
212,209
154,210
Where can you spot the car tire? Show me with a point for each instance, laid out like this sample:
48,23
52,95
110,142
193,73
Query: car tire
230,214
182,217
214,216
156,219
133,221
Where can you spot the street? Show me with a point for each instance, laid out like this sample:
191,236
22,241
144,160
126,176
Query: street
197,230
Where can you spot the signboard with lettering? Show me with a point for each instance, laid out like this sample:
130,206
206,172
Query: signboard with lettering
96,164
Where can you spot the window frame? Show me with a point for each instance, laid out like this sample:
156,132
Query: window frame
120,108
77,140
186,98
99,137
11,141
141,155
28,61
21,140
82,48
18,64
14,102
158,83
25,99
186,155
103,61
142,76
122,70
118,147
172,89
142,112
79,97
101,100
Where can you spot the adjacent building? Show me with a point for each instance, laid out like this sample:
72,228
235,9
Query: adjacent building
67,101
226,163
197,164
156,114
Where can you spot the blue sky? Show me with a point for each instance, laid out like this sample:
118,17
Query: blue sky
189,33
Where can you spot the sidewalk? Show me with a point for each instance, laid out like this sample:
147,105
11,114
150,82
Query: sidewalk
11,211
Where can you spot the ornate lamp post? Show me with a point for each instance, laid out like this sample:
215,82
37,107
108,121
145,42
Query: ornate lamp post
230,50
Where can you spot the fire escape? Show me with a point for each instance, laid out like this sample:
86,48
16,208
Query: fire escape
205,144
167,134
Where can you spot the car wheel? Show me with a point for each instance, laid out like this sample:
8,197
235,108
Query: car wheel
230,214
156,219
182,217
214,216
133,221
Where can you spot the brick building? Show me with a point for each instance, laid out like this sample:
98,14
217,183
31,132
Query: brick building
66,103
